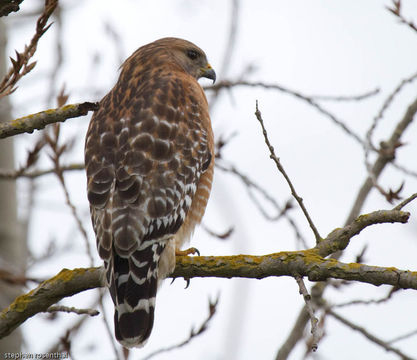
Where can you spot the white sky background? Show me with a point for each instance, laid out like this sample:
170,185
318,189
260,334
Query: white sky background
315,47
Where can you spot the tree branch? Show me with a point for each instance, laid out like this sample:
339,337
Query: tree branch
308,263
287,263
396,10
67,309
313,320
311,100
283,172
339,239
20,66
379,165
28,124
384,158
368,335
64,284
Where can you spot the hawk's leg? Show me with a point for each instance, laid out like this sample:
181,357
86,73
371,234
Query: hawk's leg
186,252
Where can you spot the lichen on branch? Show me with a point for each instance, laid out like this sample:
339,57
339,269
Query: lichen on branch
65,283
310,263
38,121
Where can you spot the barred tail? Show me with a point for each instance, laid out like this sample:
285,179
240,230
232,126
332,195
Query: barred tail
133,284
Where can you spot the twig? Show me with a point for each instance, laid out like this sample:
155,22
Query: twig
282,171
62,308
314,321
380,163
193,333
295,335
396,10
222,236
11,277
20,65
368,146
404,169
368,302
107,327
231,42
281,211
251,184
38,121
229,48
339,239
383,159
58,58
57,152
346,97
310,100
116,40
405,202
368,335
403,337
13,175
76,326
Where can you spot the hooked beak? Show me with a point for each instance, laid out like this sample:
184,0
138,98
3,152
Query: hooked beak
208,72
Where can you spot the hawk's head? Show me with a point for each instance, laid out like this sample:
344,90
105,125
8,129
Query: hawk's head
180,52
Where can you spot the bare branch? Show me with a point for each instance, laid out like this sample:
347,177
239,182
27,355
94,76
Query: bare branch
66,283
380,163
193,333
339,239
13,175
249,183
368,146
309,100
346,97
282,171
108,331
403,337
314,321
55,157
38,121
230,46
405,202
20,66
368,302
308,263
252,188
76,326
295,335
368,335
291,263
66,309
222,236
384,158
396,10
404,170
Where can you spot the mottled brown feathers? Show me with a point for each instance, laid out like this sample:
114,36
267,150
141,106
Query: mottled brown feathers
149,162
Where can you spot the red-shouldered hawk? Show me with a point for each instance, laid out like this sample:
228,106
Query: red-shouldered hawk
149,160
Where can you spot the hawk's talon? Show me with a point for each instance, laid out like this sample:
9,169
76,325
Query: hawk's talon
188,281
186,252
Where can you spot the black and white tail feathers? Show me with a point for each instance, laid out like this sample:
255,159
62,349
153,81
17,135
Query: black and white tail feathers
133,283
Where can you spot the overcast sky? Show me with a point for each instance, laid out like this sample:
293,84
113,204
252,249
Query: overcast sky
322,47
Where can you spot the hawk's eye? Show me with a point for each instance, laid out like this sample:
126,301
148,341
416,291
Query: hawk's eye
192,54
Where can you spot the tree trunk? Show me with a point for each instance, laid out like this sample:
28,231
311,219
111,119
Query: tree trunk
12,244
